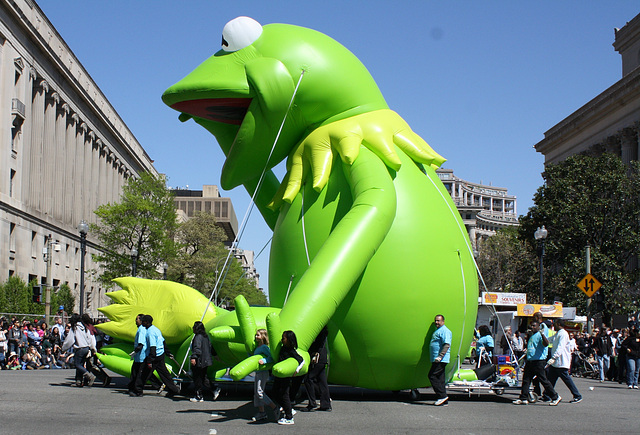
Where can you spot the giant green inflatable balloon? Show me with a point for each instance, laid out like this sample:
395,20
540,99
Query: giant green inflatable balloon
366,238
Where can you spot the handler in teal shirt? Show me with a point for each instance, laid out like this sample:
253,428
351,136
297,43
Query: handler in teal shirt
439,349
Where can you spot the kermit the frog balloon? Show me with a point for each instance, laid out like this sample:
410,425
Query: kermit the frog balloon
366,239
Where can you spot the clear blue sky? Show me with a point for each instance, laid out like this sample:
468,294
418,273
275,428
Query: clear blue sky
480,81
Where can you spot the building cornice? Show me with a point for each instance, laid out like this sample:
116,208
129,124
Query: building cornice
622,93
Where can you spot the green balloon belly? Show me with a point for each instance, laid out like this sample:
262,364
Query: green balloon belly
379,335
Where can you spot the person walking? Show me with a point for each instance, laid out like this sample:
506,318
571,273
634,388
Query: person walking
260,398
603,348
281,386
200,359
155,359
439,348
560,361
537,350
632,347
316,378
83,343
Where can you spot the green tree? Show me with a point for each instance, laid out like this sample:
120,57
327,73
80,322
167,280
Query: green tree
63,297
589,200
16,297
201,261
144,219
506,263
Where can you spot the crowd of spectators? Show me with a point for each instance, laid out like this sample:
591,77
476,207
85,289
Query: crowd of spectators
611,351
31,344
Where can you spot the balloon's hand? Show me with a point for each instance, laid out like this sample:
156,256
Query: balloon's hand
245,367
172,305
291,367
116,357
380,131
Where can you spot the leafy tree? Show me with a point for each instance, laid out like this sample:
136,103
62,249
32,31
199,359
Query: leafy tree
589,200
16,297
506,263
201,259
63,297
144,219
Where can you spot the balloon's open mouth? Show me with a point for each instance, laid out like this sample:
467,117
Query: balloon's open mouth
225,110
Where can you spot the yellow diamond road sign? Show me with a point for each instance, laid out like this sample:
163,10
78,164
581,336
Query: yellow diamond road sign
589,285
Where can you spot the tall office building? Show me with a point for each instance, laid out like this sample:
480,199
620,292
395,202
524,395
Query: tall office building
208,200
64,151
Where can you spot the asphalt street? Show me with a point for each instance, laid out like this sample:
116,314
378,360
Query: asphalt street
44,401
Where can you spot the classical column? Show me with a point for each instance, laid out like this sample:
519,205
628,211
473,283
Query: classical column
89,198
49,151
37,142
69,176
104,168
27,142
60,161
79,199
612,145
116,177
95,178
628,145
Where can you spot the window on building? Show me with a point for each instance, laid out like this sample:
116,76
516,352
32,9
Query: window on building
12,179
207,207
225,209
12,237
34,247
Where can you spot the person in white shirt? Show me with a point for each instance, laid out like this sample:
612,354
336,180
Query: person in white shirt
560,360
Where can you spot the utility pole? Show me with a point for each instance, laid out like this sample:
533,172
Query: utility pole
49,284
589,324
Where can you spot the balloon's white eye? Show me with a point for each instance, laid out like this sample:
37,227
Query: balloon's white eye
239,33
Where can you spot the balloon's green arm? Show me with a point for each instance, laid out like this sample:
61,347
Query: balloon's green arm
346,252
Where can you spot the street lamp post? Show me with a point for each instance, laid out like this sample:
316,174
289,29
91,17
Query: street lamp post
540,235
165,266
134,261
83,228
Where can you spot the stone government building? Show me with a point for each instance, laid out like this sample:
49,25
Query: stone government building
610,122
64,151
484,209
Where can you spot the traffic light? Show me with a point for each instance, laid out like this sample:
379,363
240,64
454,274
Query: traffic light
37,293
599,300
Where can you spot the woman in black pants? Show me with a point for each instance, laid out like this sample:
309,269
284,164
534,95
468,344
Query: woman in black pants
281,386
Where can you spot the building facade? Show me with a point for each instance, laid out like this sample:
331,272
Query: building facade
610,122
64,151
484,209
208,200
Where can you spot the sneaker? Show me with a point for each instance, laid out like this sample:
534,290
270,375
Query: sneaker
442,402
576,400
90,378
635,387
520,402
259,416
216,393
285,421
294,412
196,399
545,399
555,402
630,387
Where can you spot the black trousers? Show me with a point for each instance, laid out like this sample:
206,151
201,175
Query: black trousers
136,369
536,369
317,378
159,366
281,387
436,377
199,379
